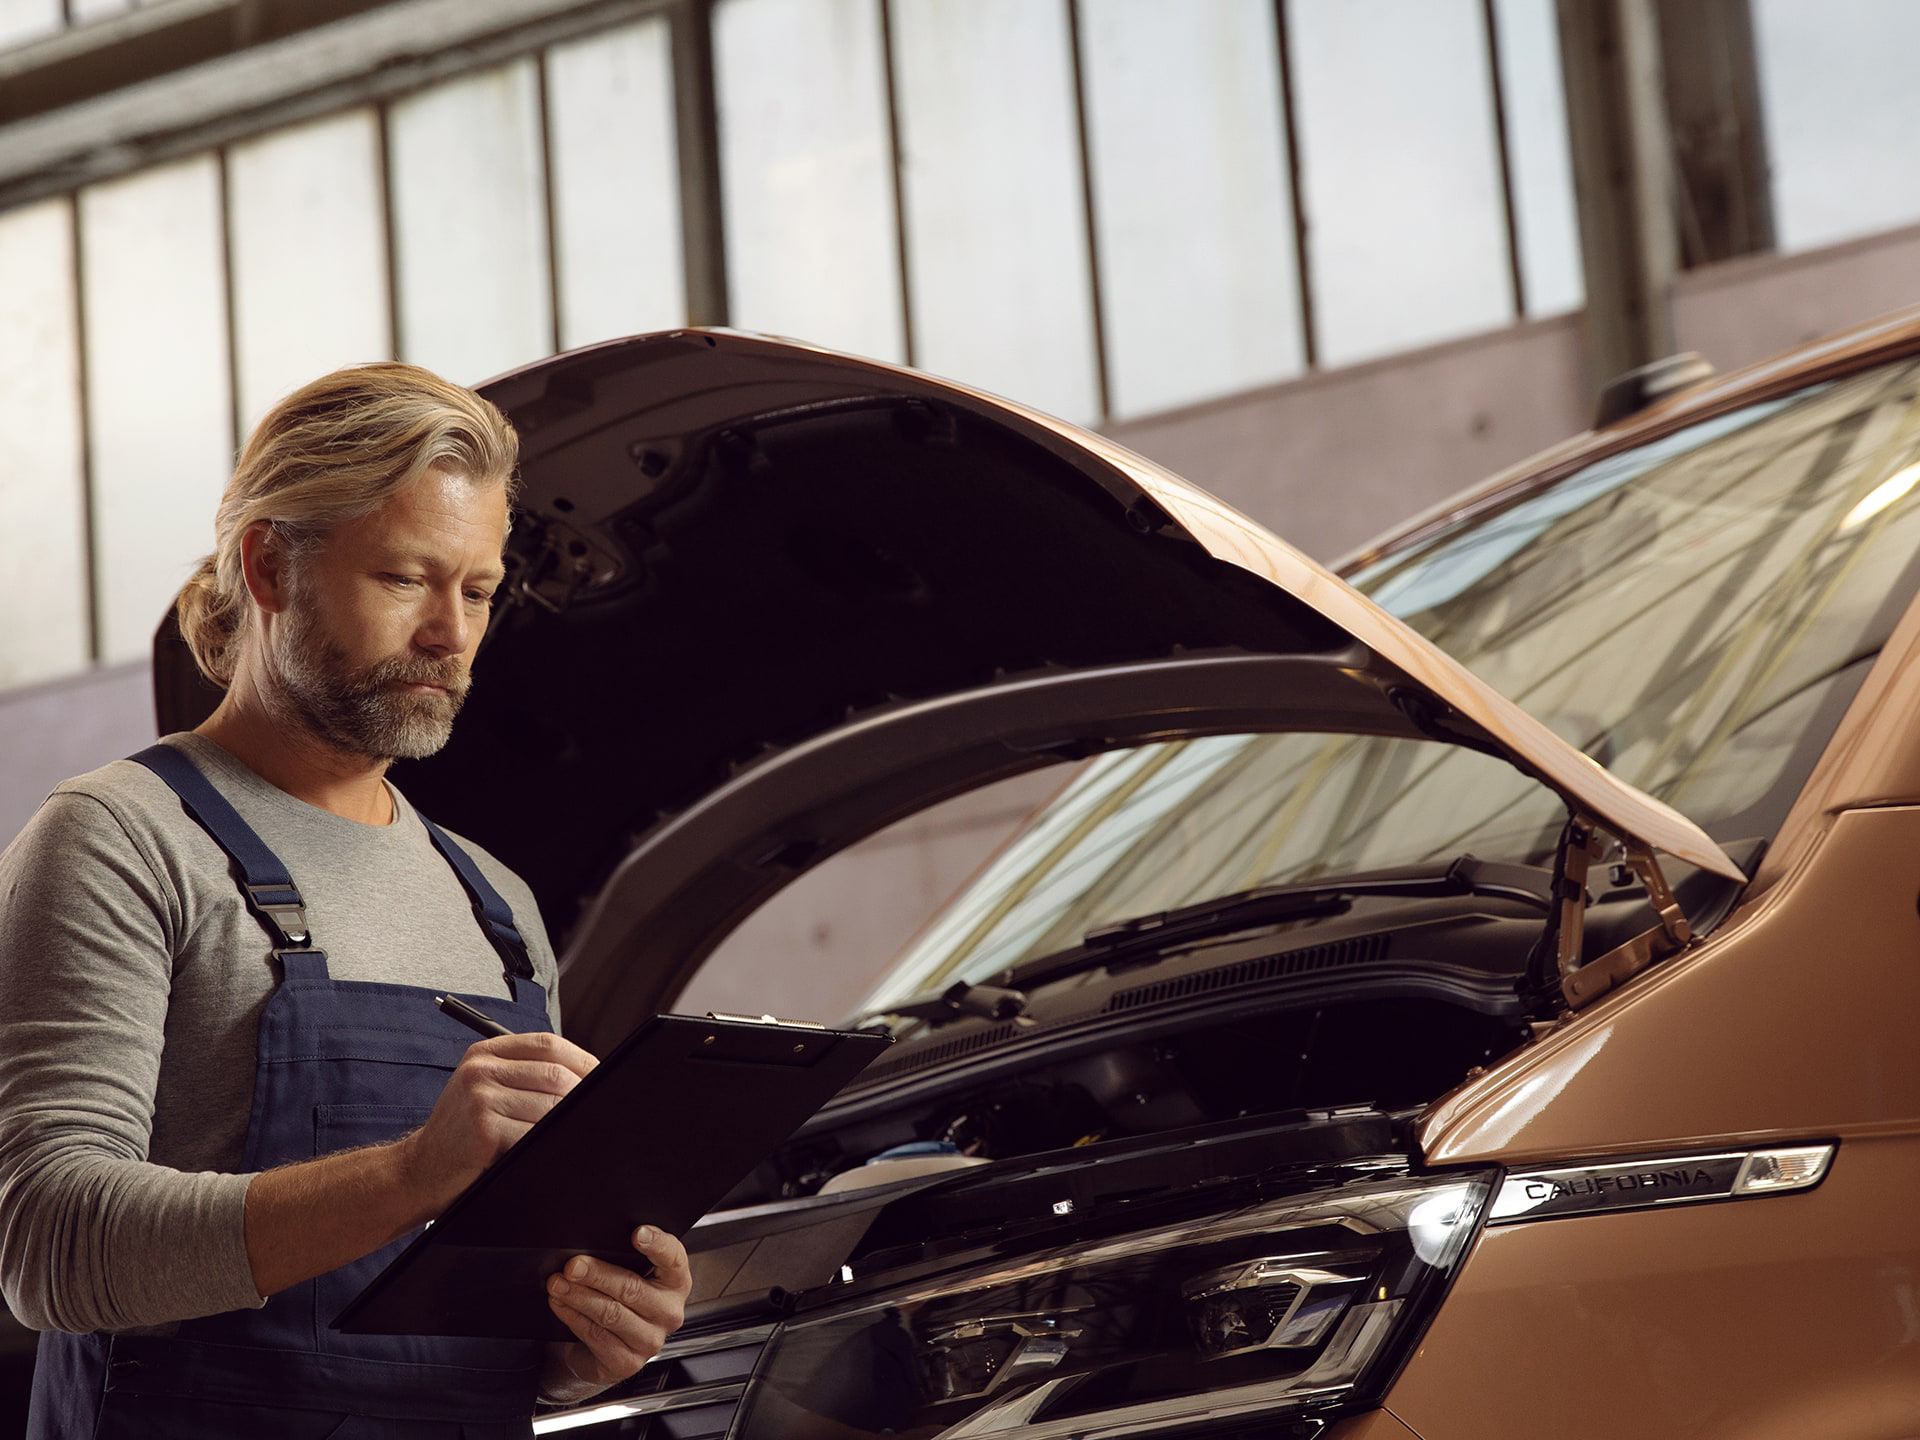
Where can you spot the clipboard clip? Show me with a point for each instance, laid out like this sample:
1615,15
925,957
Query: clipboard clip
765,1020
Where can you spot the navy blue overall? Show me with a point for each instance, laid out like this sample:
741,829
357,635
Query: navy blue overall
341,1063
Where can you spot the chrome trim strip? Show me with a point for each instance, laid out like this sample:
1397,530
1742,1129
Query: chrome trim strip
718,1340
598,1412
1646,1184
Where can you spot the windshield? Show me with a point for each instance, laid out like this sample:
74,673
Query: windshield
1694,614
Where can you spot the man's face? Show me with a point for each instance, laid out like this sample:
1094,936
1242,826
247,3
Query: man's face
371,652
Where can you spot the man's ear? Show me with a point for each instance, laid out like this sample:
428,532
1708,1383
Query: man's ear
263,565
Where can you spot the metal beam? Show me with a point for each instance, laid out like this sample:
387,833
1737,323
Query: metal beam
1720,150
1296,187
147,42
1623,179
1089,211
696,124
364,58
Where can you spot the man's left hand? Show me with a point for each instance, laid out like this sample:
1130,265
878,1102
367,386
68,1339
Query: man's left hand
622,1318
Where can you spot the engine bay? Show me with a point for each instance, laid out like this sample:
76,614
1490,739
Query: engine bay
1387,1055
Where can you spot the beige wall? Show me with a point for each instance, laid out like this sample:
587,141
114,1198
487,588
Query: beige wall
1330,461
812,952
1747,310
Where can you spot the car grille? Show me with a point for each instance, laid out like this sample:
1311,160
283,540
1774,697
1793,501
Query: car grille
921,1058
689,1391
1365,949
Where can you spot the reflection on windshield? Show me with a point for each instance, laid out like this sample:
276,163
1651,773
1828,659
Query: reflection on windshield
1692,614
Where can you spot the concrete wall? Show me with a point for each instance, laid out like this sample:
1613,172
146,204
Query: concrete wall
51,731
1330,461
814,950
1327,461
1753,308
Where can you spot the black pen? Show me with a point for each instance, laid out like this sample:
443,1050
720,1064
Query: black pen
470,1017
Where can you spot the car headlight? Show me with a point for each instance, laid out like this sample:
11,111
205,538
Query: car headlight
1299,1306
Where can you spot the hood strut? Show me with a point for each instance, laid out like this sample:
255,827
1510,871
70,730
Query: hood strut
1555,976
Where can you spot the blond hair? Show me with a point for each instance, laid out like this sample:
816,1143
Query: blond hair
333,451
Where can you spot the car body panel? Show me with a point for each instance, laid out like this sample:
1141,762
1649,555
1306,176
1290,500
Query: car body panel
1769,1318
1773,1028
1872,759
1374,1425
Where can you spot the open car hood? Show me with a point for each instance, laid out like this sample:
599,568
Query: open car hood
764,599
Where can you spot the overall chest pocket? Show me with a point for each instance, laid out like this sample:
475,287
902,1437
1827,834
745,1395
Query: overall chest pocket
344,1127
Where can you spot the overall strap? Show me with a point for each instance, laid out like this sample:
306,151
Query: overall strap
270,891
494,914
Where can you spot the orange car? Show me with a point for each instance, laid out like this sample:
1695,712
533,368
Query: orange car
1469,995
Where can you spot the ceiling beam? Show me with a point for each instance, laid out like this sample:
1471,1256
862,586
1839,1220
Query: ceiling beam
351,53
1623,179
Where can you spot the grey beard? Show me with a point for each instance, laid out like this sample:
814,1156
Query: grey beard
361,712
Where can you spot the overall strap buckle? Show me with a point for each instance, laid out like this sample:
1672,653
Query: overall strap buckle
285,911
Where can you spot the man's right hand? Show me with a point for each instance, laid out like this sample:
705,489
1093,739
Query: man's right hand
502,1085
306,1218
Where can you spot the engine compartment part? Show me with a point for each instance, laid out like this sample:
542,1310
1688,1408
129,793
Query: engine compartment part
903,1162
1382,1055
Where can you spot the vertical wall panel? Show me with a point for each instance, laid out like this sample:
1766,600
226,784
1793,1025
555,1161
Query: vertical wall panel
159,407
806,173
1400,172
25,20
1841,113
616,184
1542,166
42,511
470,224
309,256
1197,273
996,229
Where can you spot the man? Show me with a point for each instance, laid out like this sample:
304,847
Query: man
226,1097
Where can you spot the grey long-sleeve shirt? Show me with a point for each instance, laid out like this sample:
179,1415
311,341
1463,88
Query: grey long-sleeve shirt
132,977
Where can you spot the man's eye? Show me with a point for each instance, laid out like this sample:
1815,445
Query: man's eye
480,597
401,579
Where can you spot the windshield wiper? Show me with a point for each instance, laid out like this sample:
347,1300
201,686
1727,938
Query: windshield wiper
1143,936
1466,875
962,999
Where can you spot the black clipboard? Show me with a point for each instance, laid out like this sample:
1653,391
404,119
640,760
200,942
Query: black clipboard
658,1133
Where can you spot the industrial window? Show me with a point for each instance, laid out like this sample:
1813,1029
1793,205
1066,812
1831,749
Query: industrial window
1536,105
1841,111
22,21
160,418
616,185
1198,283
997,267
42,538
309,256
470,224
806,173
1400,173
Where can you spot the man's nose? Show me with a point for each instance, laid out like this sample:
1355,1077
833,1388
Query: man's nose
444,628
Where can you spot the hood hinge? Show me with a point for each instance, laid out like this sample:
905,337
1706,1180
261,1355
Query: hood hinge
1555,976
1623,962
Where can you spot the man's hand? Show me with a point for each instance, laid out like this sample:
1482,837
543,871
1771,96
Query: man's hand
502,1085
622,1318
313,1216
